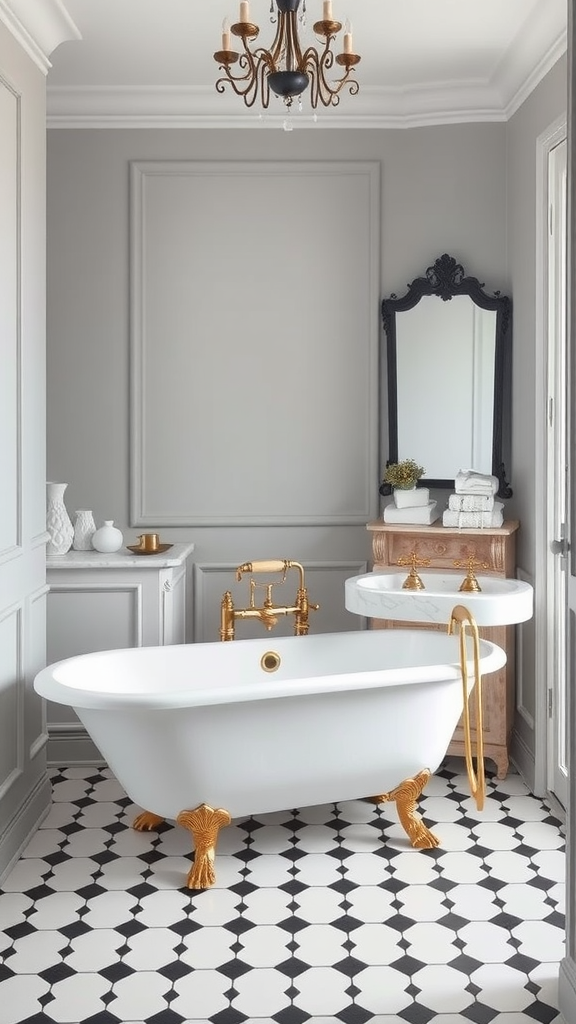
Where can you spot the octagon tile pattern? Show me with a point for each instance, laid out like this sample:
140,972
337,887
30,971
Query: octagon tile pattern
320,914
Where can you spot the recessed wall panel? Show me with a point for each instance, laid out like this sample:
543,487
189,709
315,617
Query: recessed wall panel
36,735
10,698
254,343
80,621
9,317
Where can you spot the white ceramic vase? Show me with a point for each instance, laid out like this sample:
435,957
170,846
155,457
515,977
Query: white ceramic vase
108,538
58,522
84,530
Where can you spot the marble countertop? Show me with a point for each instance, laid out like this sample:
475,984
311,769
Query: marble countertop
122,559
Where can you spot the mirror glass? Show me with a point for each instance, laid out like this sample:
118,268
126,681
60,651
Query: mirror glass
448,358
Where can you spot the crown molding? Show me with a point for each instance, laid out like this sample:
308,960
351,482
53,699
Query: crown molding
39,26
547,62
540,44
445,103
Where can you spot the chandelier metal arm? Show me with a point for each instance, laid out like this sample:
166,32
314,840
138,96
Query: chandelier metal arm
316,64
250,84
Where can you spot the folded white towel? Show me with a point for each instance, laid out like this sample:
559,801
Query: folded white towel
471,502
411,498
421,514
469,482
474,520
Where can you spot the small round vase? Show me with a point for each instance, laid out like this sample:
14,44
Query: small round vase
58,522
84,530
108,538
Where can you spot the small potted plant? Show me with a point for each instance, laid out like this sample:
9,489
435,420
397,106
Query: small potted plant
403,477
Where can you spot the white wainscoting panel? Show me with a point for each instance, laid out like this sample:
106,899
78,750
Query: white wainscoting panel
10,326
324,582
36,643
254,343
83,618
11,698
86,618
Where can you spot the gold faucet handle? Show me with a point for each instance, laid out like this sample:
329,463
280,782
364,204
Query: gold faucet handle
470,583
414,561
471,563
273,565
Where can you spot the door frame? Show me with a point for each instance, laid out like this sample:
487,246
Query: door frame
545,143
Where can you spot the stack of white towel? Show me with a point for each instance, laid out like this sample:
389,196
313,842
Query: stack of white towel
473,504
411,507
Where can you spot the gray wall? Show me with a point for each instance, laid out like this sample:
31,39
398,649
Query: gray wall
443,190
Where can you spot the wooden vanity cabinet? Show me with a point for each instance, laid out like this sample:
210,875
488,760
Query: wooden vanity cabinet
442,546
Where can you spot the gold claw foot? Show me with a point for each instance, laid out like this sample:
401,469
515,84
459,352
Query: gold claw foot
147,821
405,795
204,823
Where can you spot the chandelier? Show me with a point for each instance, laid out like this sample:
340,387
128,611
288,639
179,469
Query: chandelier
286,68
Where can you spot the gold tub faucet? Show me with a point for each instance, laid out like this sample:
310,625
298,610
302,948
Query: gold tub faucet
268,613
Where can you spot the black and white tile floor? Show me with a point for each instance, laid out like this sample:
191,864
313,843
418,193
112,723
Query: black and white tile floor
322,914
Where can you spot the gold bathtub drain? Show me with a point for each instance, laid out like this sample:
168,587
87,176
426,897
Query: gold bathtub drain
270,661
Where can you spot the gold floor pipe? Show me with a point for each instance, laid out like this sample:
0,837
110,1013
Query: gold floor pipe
477,780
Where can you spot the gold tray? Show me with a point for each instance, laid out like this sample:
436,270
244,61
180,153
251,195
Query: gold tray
137,550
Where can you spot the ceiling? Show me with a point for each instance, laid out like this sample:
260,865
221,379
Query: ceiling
150,62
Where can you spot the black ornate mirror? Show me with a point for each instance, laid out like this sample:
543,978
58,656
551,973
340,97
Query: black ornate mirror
449,350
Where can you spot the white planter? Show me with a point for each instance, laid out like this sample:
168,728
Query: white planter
413,498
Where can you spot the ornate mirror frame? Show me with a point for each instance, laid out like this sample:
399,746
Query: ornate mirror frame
445,279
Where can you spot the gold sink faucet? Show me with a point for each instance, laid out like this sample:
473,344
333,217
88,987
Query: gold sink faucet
413,581
268,613
470,584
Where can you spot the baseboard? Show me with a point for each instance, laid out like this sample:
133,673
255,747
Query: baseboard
523,760
23,825
70,744
567,990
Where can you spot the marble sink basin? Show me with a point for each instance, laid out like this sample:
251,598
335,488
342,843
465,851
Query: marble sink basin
380,595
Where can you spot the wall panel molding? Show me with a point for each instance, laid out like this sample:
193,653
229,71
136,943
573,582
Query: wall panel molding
11,318
520,647
134,591
250,345
11,697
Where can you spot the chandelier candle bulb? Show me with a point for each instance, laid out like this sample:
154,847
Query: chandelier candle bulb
244,11
327,10
348,38
225,34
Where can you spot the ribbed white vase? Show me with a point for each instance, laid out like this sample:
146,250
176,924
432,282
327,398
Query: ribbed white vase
84,530
58,522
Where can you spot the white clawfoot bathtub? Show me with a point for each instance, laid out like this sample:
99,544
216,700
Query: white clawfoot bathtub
342,716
